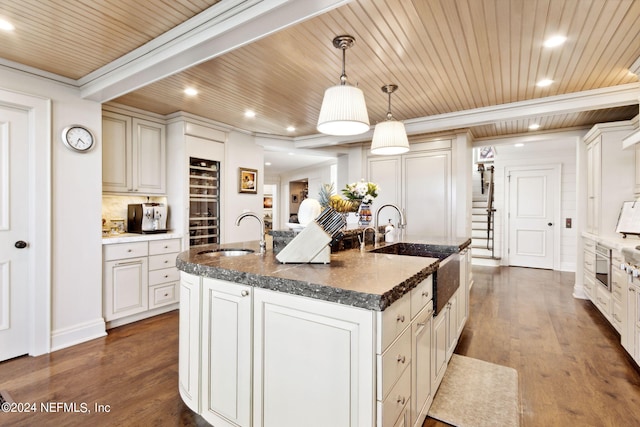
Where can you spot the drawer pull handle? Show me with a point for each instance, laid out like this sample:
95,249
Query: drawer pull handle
244,293
166,295
129,250
400,318
422,324
401,400
401,358
166,261
166,276
425,294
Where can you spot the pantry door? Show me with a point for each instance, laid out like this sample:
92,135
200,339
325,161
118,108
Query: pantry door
534,216
14,232
25,184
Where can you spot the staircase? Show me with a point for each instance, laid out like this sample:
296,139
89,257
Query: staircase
482,215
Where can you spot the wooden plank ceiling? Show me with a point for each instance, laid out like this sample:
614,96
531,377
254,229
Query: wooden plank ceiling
446,56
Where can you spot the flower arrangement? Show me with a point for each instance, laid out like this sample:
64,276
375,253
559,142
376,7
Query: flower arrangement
362,191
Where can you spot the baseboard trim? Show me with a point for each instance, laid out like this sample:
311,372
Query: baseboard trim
140,316
67,337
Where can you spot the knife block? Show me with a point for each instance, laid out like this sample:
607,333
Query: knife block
311,245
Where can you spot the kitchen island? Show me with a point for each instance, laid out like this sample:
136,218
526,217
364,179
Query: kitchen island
347,343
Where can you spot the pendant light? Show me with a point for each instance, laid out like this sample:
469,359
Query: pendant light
343,110
389,137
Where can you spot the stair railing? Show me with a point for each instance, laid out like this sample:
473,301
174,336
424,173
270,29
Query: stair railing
490,212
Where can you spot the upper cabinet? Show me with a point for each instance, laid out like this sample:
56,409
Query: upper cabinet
610,176
420,182
133,154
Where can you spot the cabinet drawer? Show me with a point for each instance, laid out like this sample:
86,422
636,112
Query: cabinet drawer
393,362
394,320
421,295
589,261
616,316
618,284
397,399
588,286
163,294
603,301
157,262
125,250
163,276
157,247
589,245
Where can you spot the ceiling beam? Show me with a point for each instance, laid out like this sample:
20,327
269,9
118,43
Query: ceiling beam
223,27
596,99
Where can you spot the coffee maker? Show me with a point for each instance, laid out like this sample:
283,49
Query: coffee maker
147,218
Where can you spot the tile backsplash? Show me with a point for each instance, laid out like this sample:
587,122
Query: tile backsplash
115,207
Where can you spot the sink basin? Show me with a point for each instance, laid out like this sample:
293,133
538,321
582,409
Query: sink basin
413,249
226,252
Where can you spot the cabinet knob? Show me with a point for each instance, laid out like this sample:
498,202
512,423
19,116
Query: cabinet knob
401,358
401,400
400,318
425,294
128,250
244,293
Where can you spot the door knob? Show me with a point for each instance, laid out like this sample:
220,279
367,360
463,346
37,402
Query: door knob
550,224
20,244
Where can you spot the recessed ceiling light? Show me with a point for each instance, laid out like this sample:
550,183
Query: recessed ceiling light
6,25
190,91
519,144
534,126
290,129
291,154
267,163
249,113
544,83
555,41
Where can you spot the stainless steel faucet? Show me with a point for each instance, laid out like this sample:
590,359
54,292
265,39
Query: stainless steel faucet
263,243
401,225
375,237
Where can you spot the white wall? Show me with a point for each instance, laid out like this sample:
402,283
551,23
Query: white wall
76,192
558,148
241,151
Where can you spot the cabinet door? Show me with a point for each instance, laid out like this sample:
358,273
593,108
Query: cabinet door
439,344
125,287
117,154
427,193
150,154
463,293
226,353
452,329
310,355
189,341
628,338
421,391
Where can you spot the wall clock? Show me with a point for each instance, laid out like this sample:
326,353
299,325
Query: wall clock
78,138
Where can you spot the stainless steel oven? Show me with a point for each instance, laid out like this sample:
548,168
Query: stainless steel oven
603,266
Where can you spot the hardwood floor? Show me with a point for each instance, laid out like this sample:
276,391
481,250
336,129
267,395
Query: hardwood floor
572,370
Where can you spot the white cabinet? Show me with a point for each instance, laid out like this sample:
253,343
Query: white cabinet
125,280
226,353
189,341
633,320
463,292
589,268
133,155
403,178
421,390
618,294
609,168
440,344
140,279
309,356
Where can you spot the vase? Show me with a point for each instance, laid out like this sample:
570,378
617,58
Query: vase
364,214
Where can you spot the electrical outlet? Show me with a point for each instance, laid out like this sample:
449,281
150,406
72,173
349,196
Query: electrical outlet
568,223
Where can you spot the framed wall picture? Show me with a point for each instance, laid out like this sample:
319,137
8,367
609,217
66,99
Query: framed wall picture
268,201
485,154
247,181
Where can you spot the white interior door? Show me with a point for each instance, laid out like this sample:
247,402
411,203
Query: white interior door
533,216
14,232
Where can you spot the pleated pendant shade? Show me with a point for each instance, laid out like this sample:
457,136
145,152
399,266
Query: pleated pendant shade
389,137
343,111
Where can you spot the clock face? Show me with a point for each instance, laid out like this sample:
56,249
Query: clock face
78,138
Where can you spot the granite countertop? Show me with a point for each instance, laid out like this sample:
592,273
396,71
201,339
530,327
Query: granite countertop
135,237
361,279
